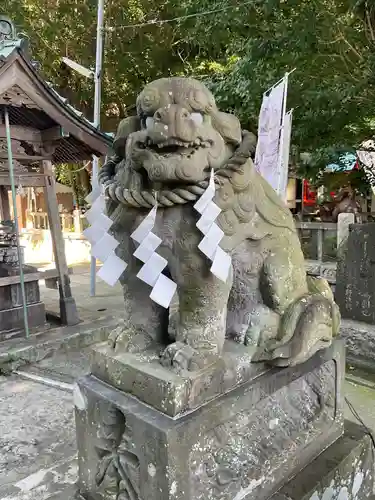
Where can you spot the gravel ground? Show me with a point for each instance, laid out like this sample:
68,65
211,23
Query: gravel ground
37,440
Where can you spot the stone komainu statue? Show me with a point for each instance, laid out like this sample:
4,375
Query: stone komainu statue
268,304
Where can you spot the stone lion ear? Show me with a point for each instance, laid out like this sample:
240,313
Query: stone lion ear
228,126
125,128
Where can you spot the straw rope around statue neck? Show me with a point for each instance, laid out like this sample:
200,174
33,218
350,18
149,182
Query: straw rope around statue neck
179,195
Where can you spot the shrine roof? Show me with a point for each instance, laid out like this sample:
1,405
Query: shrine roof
33,104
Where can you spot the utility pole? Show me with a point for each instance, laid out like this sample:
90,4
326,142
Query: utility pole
97,106
88,73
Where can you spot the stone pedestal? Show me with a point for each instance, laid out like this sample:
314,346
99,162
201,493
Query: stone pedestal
345,471
11,309
231,432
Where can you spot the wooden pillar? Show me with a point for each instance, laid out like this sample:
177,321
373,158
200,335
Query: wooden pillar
77,221
68,308
20,212
4,203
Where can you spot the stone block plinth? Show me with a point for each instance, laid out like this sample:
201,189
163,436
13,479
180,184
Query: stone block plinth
232,431
345,471
11,308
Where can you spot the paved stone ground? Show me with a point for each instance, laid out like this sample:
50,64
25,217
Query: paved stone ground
37,432
37,440
107,300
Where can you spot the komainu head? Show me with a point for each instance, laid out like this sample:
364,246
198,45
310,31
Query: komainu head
182,135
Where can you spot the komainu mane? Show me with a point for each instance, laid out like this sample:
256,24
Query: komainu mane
267,304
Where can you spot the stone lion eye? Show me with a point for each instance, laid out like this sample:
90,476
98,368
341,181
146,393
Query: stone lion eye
149,122
197,118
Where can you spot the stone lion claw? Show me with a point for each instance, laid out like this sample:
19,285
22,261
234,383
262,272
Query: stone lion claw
123,339
181,357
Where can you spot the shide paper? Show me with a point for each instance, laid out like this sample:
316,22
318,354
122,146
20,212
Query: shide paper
163,288
212,233
112,269
103,245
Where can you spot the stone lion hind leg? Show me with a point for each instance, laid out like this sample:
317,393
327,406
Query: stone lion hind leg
249,320
308,316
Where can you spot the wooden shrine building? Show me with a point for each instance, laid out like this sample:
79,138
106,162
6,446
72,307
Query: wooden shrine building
45,130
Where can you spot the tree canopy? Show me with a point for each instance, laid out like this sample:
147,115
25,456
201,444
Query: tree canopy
239,48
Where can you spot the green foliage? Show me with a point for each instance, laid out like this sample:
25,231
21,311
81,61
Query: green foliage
69,175
239,50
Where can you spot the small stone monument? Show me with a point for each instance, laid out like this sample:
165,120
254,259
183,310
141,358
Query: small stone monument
236,387
355,294
11,307
356,274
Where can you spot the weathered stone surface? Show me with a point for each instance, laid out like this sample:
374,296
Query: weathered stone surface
9,254
11,310
142,376
243,444
177,138
326,270
17,352
345,471
12,319
355,277
360,343
344,220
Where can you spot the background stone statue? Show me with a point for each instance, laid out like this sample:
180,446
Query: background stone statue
267,304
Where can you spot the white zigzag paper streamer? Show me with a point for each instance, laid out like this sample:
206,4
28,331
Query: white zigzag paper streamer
103,245
163,288
221,261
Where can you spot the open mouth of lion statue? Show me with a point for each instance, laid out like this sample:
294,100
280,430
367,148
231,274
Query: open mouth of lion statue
176,147
175,160
173,147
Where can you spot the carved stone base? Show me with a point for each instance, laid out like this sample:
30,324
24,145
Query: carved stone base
345,471
261,428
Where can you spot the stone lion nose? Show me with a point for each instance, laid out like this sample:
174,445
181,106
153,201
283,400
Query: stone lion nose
174,117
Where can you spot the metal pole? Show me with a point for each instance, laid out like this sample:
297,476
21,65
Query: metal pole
280,162
279,81
286,154
14,199
97,103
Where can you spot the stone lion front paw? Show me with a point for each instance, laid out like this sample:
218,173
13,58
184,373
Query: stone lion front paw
127,339
181,357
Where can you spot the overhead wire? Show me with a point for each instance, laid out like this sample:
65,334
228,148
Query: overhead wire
154,22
